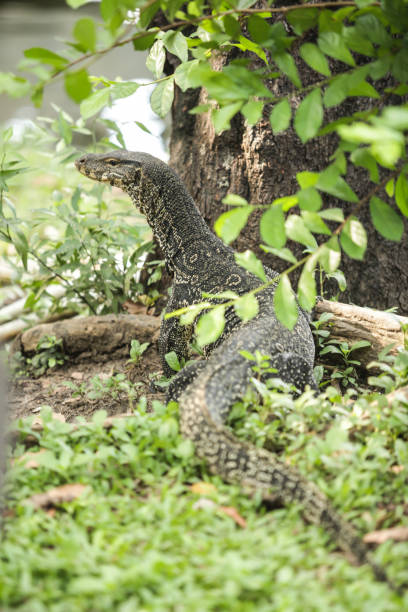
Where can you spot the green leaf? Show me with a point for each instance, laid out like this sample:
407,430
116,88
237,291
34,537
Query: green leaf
284,253
173,361
21,245
336,92
123,90
142,127
77,85
221,117
280,116
246,307
176,43
386,221
353,239
297,231
307,289
331,182
309,116
76,3
234,200
390,188
401,194
85,33
182,74
108,9
362,157
229,224
330,255
363,89
13,86
333,214
248,45
272,227
162,97
91,105
285,303
312,55
259,29
360,344
231,26
314,222
250,262
309,199
156,58
144,42
332,44
286,64
46,57
302,19
210,326
357,43
252,111
307,179
188,317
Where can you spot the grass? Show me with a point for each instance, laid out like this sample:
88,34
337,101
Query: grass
140,538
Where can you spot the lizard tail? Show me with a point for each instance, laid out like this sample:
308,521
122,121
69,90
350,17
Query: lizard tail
239,462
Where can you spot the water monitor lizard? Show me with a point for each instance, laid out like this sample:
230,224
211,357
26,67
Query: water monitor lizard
207,389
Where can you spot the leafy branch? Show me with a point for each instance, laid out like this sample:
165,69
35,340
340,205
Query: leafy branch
181,24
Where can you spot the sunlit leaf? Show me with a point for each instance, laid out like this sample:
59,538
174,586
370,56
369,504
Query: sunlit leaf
272,227
162,97
280,116
353,239
229,224
297,231
85,33
330,255
307,289
250,262
246,307
221,117
77,85
210,326
94,103
285,303
156,58
309,116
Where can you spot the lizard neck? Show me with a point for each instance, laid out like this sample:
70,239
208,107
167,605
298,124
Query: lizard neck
170,211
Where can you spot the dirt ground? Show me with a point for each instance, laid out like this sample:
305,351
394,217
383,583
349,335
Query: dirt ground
69,389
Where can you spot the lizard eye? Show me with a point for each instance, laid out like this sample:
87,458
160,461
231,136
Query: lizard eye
112,162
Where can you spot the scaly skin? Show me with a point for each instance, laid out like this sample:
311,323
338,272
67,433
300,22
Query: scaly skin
207,390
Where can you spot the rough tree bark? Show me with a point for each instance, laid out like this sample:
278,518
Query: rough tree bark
260,166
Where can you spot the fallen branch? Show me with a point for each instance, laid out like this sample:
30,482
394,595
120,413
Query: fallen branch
351,323
92,335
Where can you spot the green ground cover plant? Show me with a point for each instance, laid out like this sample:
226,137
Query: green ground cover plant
141,537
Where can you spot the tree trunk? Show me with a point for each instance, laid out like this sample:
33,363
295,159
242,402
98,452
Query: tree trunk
253,162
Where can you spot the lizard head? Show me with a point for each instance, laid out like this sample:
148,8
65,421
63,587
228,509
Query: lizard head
138,174
120,168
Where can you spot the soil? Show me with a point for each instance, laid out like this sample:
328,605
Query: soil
67,389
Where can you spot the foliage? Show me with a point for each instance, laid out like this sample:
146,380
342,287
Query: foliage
136,351
81,250
116,386
349,49
149,541
348,375
49,353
